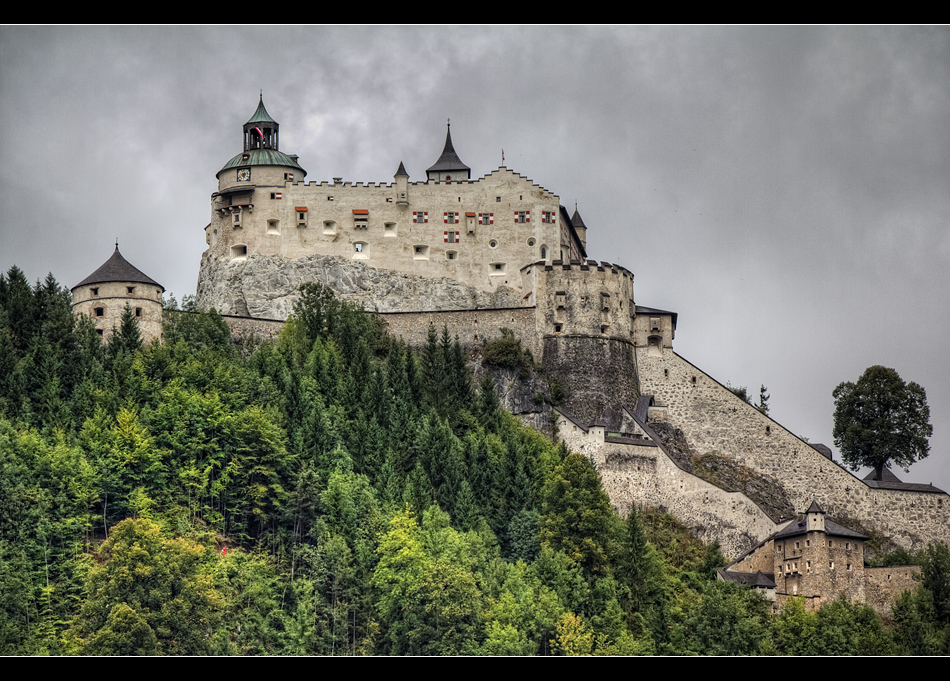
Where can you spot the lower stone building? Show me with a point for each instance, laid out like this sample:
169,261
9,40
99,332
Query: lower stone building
815,558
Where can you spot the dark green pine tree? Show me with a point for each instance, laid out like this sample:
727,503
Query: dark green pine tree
640,569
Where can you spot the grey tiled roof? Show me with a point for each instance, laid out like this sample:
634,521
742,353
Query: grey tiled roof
449,160
116,269
890,481
798,527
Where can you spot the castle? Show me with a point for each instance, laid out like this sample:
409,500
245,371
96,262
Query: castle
499,251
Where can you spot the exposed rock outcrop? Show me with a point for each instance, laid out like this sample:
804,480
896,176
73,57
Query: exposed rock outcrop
266,286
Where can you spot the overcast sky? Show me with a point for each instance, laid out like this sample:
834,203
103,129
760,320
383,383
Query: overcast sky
785,190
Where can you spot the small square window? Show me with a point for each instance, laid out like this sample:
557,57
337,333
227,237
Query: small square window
100,312
130,289
94,291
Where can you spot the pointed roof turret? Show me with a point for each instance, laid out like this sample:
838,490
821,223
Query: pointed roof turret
119,269
577,220
262,144
814,508
261,115
449,166
401,171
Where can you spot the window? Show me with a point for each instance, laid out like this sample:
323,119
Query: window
238,252
273,227
100,312
486,218
557,328
130,290
360,219
420,217
329,227
276,195
99,332
288,177
847,546
138,312
94,291
236,218
390,229
831,565
547,217
496,268
493,244
360,250
420,252
531,242
301,215
451,255
449,217
497,199
451,237
523,216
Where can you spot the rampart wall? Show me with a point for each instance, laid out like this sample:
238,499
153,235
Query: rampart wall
713,419
473,327
638,472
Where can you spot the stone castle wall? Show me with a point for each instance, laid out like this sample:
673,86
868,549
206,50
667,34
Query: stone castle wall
713,419
104,304
639,473
882,585
479,232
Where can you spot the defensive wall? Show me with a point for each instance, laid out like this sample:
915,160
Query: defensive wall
636,471
714,420
882,585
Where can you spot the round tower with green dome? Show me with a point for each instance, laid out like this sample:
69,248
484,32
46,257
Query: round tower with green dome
246,209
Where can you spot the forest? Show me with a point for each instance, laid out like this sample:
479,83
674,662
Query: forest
335,493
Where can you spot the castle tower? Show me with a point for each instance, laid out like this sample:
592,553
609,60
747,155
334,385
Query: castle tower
103,295
579,227
449,166
247,206
402,185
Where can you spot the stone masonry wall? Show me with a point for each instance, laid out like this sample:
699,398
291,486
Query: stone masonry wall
473,327
643,475
883,585
715,420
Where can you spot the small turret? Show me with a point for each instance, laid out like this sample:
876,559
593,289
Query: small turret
579,227
449,167
814,518
402,185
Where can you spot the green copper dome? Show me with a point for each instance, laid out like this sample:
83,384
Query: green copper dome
262,157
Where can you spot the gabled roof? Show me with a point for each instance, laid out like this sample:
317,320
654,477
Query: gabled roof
757,580
117,269
799,527
449,160
890,481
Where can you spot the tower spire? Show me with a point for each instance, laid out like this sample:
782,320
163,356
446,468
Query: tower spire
449,166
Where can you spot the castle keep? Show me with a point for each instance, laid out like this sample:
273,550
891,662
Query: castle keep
499,251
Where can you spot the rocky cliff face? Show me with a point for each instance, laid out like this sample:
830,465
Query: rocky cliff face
266,286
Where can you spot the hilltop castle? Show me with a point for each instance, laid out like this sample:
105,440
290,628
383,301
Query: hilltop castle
499,251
